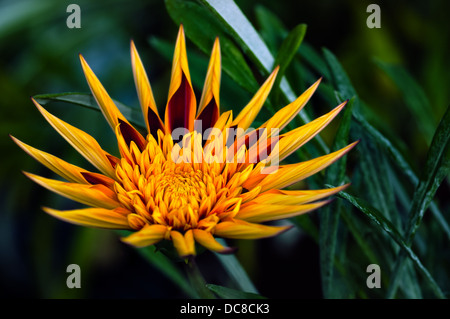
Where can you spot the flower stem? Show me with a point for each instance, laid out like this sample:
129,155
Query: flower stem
197,280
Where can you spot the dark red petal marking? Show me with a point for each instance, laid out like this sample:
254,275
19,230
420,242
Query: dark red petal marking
179,106
112,160
231,135
129,134
264,152
95,178
154,122
209,115
253,137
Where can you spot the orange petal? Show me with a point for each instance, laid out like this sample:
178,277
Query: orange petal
91,195
249,113
292,173
185,245
207,240
291,141
142,83
96,178
85,144
148,235
68,171
181,102
296,197
106,104
286,114
208,108
262,212
239,229
93,217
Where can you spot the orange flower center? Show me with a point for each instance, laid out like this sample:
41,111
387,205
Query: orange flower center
179,195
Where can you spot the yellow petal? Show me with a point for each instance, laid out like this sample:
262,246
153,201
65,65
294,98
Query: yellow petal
93,217
239,229
262,212
250,195
91,195
291,141
286,114
207,240
181,102
106,104
208,108
292,173
251,110
295,197
85,144
68,171
185,245
148,235
142,83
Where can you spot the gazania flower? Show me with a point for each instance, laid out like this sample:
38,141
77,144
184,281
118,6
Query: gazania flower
216,176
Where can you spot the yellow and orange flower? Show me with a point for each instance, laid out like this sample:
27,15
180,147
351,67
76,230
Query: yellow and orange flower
196,185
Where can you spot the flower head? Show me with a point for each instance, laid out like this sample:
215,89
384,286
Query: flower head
196,173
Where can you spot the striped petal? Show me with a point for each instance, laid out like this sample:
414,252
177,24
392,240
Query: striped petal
291,141
286,114
207,240
240,229
292,173
96,178
148,235
67,171
144,90
208,108
93,217
106,104
181,102
130,134
295,197
185,245
85,144
251,110
262,212
91,195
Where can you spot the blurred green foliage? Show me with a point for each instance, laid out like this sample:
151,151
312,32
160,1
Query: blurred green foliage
397,76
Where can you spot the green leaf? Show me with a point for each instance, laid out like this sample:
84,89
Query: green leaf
309,54
235,270
342,82
392,231
398,159
437,167
413,95
228,293
288,50
270,26
329,215
340,78
87,100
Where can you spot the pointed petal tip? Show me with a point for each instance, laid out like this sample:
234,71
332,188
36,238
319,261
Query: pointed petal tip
228,251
